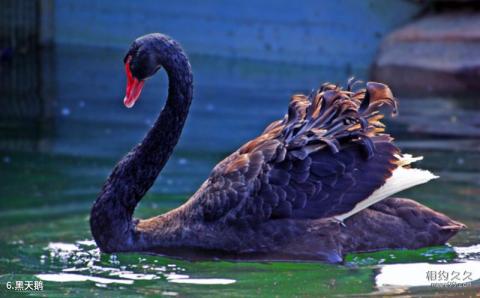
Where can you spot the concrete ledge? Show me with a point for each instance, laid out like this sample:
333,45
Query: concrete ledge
435,54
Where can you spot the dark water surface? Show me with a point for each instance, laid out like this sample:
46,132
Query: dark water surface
63,127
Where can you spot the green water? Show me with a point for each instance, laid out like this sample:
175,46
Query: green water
63,127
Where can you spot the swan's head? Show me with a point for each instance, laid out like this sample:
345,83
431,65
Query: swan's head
141,62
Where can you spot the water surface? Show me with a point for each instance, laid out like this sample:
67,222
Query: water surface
63,127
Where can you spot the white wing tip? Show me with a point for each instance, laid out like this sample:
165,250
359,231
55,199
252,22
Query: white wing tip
401,179
406,159
420,172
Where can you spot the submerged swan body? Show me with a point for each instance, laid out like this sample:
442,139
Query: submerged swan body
314,185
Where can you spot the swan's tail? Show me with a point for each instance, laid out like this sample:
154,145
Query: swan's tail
403,177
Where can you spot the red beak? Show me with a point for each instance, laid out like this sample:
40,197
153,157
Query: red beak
134,87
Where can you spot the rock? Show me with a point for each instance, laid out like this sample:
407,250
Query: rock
435,54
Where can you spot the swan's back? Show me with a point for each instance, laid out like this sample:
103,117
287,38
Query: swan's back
327,155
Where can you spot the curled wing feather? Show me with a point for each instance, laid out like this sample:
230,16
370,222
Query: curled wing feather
326,155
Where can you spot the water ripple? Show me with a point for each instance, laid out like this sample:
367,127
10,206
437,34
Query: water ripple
83,262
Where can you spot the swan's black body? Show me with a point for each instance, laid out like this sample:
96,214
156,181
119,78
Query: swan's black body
274,196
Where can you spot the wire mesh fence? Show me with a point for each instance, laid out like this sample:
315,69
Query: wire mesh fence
24,102
19,24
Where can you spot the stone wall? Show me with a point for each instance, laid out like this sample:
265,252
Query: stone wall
338,33
435,54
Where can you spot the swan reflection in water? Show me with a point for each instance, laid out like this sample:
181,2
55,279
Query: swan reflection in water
81,263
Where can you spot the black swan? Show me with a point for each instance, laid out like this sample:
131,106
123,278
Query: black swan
314,185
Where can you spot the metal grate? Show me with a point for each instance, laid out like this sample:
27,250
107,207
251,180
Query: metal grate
19,24
25,105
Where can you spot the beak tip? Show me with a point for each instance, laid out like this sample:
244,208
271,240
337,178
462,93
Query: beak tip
134,88
128,103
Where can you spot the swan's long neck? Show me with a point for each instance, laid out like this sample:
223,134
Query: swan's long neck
111,216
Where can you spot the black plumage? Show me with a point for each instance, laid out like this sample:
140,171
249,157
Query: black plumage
276,195
324,159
